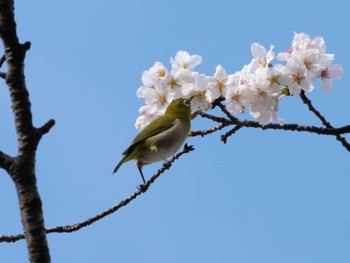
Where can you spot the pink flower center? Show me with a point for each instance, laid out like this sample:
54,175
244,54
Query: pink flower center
325,74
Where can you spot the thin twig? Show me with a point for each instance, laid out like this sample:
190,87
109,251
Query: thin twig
296,127
308,102
46,127
214,118
229,115
203,133
272,126
229,133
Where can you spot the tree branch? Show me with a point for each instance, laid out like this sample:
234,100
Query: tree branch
203,133
142,189
232,121
6,162
295,127
230,133
46,127
224,110
307,101
22,168
216,119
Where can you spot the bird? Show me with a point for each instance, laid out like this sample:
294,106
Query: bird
161,138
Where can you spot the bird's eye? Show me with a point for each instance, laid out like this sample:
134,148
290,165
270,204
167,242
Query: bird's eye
187,103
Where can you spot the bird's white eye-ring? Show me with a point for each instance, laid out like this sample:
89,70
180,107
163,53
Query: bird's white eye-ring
187,103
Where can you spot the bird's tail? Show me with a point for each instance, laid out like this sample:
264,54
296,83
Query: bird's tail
119,164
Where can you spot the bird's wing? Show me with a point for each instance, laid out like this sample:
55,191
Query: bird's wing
159,125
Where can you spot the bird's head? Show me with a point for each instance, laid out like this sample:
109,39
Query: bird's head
180,108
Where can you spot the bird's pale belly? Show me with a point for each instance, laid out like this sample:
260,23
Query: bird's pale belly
165,144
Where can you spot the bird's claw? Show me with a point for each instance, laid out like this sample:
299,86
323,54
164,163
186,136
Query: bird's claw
188,147
142,187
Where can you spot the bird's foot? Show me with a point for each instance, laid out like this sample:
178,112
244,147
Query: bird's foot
142,187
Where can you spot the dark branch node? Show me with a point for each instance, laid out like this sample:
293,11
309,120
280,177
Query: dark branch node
3,75
217,101
26,45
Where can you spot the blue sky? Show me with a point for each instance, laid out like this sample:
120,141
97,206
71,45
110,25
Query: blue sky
265,196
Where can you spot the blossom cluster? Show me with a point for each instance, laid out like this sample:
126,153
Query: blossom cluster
258,86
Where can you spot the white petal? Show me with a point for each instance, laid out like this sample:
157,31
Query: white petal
199,104
270,55
188,89
234,107
258,51
301,41
335,71
319,44
182,75
140,90
150,95
161,88
201,81
147,79
220,73
283,56
194,61
144,110
212,94
143,120
294,89
182,56
326,84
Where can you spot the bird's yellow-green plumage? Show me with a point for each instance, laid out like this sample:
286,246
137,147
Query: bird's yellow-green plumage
161,138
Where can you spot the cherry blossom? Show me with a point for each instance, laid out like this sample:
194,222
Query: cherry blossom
258,86
327,76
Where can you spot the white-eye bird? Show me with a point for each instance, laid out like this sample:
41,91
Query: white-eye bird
161,138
